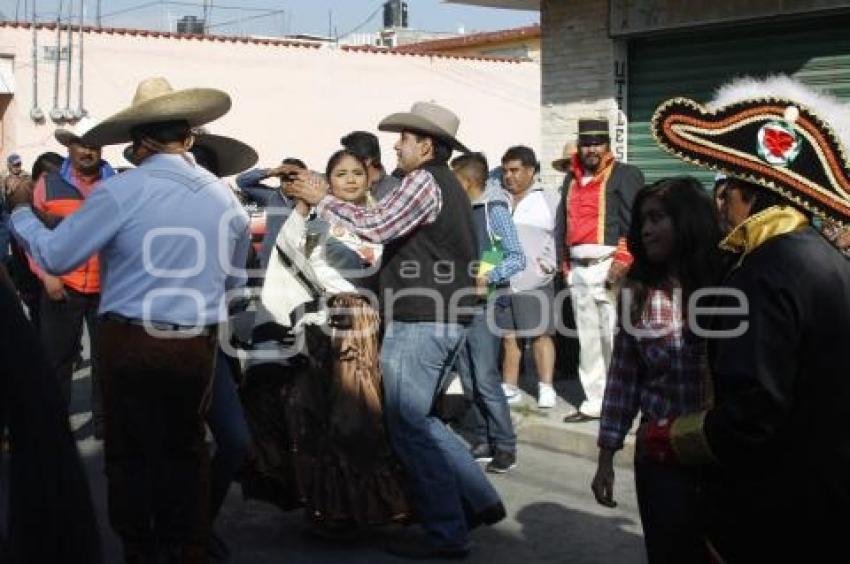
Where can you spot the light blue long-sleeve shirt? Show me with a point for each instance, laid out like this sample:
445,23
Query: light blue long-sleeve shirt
172,239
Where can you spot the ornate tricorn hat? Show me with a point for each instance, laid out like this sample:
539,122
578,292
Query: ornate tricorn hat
775,133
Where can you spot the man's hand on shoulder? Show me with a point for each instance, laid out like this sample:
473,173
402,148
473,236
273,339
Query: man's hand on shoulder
307,186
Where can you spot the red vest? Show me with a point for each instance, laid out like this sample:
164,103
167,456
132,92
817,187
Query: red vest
61,200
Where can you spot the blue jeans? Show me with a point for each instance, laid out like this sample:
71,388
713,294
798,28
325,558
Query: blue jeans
478,366
446,481
227,424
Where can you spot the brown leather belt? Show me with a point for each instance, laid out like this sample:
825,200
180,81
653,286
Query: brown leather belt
201,331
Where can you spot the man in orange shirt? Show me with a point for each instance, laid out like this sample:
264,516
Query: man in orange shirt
73,298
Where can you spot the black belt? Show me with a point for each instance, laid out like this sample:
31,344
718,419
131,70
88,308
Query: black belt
589,261
199,331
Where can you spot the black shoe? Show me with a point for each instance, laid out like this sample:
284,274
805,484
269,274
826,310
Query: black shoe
579,417
425,551
217,550
99,429
341,532
488,516
481,452
503,462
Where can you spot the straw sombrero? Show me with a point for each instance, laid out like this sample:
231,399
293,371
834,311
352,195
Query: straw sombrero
156,101
776,133
233,156
427,118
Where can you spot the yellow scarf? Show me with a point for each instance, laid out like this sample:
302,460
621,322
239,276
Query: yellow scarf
762,227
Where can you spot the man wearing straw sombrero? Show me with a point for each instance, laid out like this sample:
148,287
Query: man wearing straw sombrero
427,296
166,271
774,450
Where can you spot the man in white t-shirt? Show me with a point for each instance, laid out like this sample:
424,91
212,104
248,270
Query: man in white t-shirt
527,312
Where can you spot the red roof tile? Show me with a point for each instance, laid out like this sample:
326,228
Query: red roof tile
471,40
253,41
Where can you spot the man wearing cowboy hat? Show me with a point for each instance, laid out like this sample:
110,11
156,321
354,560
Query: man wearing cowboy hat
163,295
774,449
427,292
222,156
592,221
72,299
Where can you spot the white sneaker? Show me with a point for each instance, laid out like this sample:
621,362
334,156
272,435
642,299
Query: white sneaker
511,393
545,396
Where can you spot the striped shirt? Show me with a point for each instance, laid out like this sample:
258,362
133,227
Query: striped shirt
659,370
416,202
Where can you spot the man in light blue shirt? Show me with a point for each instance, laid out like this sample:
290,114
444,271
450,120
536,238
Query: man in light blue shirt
172,240
271,199
164,237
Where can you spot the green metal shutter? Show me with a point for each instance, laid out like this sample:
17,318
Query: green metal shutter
817,52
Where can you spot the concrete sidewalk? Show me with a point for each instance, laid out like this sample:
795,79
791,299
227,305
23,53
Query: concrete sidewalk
545,428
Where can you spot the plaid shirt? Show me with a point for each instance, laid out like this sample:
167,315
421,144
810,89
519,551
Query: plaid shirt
503,227
660,370
416,202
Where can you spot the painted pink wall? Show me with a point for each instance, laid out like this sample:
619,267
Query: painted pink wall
287,101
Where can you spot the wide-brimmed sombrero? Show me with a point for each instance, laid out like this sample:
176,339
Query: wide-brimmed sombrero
232,156
775,133
427,118
74,133
156,101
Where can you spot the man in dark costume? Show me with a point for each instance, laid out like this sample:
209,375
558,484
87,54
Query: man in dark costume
774,448
50,513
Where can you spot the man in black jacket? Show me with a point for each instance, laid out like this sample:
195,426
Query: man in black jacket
774,449
50,513
592,221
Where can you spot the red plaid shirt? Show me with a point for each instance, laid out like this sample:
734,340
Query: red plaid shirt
660,371
416,202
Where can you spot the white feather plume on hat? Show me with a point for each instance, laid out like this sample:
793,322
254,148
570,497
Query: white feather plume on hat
829,108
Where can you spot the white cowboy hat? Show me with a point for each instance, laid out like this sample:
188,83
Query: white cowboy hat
427,118
156,101
67,135
233,156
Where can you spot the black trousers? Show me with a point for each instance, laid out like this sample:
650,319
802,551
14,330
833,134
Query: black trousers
157,391
61,327
50,514
669,503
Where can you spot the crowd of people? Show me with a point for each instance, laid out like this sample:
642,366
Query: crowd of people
717,321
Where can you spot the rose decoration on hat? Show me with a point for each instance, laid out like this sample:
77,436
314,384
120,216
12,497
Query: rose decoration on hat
778,141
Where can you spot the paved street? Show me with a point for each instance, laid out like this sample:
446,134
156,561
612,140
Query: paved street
552,517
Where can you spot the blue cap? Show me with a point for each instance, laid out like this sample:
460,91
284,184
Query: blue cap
14,158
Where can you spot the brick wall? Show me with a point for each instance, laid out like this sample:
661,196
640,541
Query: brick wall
577,73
